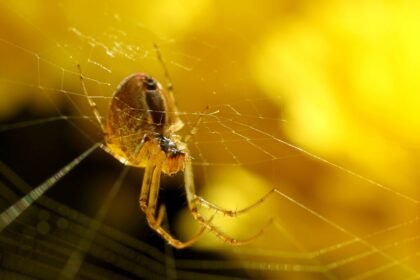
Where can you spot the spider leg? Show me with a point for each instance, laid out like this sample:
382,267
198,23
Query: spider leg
161,215
145,187
148,204
193,205
92,103
169,84
232,213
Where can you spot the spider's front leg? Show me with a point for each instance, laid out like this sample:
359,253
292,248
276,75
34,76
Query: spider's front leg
232,213
148,204
194,201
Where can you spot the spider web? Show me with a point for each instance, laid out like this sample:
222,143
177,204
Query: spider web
69,209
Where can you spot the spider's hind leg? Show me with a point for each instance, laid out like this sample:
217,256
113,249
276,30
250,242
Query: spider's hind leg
92,103
169,84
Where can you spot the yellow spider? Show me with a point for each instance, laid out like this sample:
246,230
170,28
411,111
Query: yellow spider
140,131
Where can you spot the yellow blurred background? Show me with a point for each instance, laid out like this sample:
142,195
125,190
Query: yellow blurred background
335,78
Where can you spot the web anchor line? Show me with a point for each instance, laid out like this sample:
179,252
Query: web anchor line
15,210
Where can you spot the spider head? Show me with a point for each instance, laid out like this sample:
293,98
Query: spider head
169,147
175,157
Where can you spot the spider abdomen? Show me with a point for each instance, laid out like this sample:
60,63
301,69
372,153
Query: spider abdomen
137,105
141,109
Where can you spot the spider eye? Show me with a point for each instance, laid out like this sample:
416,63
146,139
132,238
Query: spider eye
168,146
150,84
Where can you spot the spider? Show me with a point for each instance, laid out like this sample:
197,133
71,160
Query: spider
141,131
